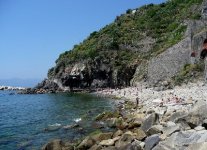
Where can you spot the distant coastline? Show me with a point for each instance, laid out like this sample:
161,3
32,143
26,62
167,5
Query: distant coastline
3,88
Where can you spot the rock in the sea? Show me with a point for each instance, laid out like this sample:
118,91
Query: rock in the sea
151,120
57,145
151,141
71,126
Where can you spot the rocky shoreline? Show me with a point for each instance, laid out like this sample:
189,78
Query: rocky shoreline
159,120
11,88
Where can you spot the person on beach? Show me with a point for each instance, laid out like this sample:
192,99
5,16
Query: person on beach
137,102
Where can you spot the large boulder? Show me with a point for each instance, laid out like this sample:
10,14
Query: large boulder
102,136
196,116
57,145
151,141
151,120
183,139
86,143
125,139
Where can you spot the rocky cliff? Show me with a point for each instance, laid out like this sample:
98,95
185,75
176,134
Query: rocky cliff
146,44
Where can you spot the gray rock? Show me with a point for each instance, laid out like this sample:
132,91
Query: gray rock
153,119
96,147
102,136
53,145
177,115
132,146
199,128
151,141
140,134
180,140
171,129
155,129
168,63
86,143
57,145
109,142
125,139
118,133
197,146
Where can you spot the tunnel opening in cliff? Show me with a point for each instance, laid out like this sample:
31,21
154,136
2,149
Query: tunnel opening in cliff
203,53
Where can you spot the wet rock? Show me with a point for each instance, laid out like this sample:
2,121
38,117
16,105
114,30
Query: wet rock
57,145
153,119
53,145
151,141
98,125
86,143
112,122
102,136
53,127
71,126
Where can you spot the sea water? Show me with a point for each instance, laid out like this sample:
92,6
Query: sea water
30,121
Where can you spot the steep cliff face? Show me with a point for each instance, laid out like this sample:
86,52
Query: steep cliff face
146,44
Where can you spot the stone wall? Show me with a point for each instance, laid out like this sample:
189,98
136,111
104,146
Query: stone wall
170,62
167,64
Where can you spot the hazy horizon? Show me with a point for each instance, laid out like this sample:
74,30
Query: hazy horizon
18,82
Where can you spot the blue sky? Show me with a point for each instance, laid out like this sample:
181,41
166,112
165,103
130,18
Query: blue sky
34,32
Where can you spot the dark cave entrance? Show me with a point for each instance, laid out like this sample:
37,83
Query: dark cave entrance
203,53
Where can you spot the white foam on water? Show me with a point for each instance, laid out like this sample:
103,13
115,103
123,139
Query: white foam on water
77,120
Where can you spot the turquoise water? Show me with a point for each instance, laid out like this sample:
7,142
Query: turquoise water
30,121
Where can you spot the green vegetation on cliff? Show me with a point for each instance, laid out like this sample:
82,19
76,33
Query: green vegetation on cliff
134,37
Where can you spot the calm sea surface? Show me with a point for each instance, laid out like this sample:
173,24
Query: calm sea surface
30,121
